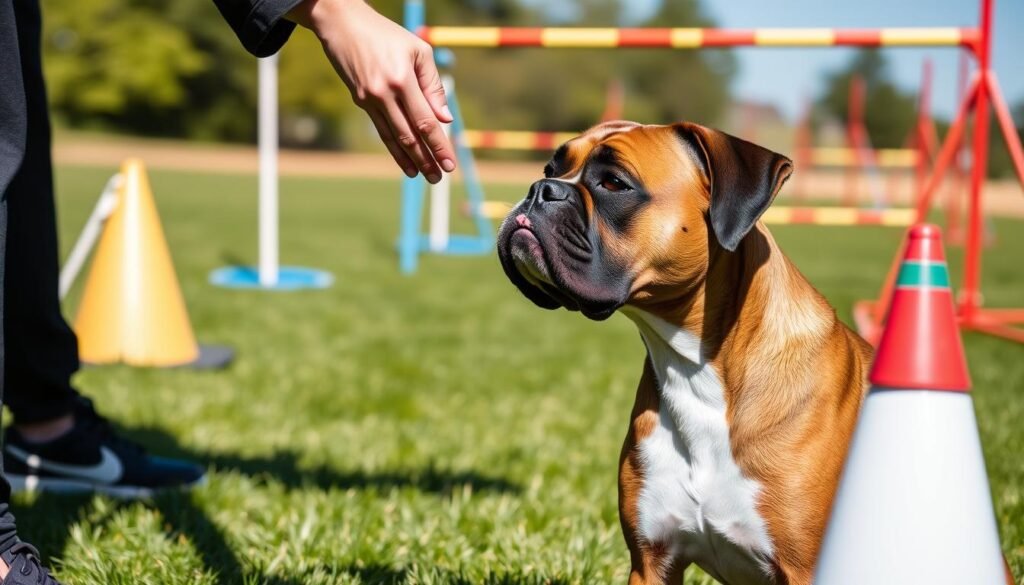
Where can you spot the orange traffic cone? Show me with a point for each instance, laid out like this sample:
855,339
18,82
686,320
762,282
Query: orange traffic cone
132,310
913,505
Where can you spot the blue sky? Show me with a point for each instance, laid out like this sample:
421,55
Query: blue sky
785,76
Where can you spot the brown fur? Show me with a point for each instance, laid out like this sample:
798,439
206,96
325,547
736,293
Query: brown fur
794,375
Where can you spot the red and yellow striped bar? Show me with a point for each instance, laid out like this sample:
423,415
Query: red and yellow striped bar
694,38
838,216
887,158
515,140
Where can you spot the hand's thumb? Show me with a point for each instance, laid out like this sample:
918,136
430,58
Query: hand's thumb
430,85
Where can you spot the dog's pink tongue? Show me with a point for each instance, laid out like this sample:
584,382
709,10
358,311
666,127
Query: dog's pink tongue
523,221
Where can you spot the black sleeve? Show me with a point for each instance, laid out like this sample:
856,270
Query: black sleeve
259,24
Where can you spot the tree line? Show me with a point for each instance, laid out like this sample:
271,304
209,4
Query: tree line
175,69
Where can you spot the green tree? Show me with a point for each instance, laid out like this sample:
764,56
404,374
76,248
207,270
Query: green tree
221,102
176,69
667,85
114,62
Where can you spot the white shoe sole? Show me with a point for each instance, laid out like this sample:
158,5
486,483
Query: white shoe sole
35,484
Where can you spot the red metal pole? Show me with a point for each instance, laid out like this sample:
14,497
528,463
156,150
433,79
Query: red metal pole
614,100
970,294
802,150
924,138
925,122
1006,125
854,125
948,150
954,227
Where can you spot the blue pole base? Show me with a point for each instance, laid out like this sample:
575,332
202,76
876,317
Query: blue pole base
458,245
289,278
461,245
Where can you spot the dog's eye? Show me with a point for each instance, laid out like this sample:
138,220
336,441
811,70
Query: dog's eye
613,183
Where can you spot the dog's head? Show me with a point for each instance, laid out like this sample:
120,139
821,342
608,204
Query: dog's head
628,212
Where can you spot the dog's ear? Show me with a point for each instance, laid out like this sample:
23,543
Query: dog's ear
743,176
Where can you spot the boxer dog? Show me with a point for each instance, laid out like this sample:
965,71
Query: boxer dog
751,385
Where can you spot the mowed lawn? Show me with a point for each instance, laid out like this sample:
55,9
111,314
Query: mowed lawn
427,429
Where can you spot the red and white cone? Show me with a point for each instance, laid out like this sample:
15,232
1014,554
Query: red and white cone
913,505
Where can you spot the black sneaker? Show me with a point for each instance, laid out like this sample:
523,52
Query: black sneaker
92,457
24,568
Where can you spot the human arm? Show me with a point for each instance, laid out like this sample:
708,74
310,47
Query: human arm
389,71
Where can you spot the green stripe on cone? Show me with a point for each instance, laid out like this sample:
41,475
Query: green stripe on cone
923,275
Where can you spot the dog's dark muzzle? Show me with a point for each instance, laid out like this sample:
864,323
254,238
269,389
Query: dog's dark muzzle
550,191
548,253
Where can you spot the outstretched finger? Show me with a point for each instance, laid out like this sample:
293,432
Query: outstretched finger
428,127
409,139
430,84
387,136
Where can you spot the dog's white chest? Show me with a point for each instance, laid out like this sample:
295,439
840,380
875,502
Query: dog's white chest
695,500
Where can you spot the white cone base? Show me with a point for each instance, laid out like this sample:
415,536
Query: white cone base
913,505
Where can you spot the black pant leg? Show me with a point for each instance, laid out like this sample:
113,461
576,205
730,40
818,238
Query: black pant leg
44,352
12,148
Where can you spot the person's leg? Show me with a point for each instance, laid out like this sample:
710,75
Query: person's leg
58,441
40,365
19,562
12,149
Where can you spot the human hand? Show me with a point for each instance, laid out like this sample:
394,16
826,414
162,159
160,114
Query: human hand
391,75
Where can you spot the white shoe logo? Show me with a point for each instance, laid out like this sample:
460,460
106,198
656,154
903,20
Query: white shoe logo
108,470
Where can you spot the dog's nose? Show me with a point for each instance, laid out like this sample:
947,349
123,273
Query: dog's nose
550,190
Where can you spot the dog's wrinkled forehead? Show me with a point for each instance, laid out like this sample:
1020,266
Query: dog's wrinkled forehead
569,159
654,154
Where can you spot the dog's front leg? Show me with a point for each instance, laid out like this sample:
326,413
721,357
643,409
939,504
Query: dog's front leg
650,568
653,563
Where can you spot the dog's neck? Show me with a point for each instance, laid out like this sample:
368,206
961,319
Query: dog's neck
753,313
754,291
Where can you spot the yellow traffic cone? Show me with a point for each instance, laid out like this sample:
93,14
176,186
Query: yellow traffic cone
132,310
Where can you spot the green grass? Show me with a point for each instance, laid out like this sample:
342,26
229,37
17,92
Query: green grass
433,429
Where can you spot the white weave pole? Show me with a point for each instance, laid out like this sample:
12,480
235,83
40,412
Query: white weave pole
105,207
268,184
440,194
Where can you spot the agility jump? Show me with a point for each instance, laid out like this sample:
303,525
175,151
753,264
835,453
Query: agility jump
860,158
982,94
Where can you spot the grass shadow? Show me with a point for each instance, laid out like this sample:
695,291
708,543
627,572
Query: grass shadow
49,516
231,258
285,467
46,518
384,575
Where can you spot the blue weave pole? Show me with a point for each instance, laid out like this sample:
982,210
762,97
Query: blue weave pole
414,15
412,189
412,208
411,240
474,189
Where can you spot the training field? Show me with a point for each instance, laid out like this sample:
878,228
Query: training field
433,429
